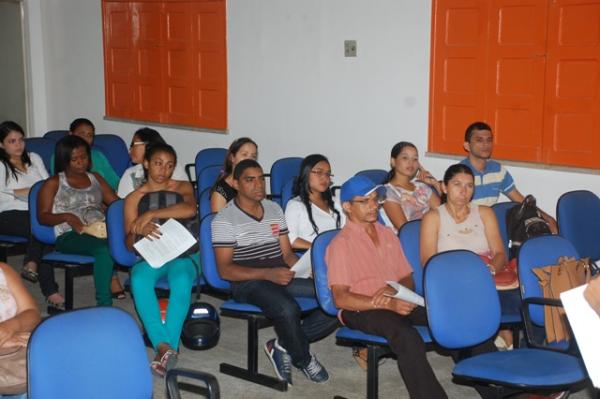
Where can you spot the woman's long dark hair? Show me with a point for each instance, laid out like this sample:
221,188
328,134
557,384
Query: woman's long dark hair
302,189
63,150
396,150
452,171
5,128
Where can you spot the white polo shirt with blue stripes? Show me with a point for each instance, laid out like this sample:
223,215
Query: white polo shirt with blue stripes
490,183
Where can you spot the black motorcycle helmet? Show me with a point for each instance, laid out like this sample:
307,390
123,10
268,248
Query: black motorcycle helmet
202,328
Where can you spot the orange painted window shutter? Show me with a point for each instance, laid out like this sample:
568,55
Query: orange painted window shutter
166,61
529,68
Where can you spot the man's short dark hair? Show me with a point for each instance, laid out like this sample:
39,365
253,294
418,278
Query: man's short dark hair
475,126
243,165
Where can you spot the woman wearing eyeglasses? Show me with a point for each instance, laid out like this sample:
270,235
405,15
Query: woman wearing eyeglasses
135,176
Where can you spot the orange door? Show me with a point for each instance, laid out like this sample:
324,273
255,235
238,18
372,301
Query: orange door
458,71
572,102
515,78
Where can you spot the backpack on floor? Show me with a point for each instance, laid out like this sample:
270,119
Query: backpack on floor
524,221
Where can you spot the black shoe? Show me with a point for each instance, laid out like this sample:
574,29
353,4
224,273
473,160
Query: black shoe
54,308
29,275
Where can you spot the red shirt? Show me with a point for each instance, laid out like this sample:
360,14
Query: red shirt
353,259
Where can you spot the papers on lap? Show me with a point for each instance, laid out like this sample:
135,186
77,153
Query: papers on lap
174,240
406,294
585,324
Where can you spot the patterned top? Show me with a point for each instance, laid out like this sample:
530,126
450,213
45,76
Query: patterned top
490,183
8,304
226,191
85,203
414,203
469,234
255,242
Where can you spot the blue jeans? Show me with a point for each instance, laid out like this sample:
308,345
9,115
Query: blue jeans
278,304
181,273
510,301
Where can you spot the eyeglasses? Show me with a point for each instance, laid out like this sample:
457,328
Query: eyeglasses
136,143
320,173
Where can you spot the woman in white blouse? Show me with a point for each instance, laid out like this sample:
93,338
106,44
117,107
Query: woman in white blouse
312,210
19,171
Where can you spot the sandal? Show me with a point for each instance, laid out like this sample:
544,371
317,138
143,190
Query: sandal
54,307
118,295
29,275
166,363
157,368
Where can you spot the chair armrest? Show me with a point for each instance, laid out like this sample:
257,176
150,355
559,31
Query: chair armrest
572,349
334,189
211,391
188,171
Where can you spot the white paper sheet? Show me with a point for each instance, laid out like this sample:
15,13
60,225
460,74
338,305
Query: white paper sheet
174,241
406,294
586,326
303,268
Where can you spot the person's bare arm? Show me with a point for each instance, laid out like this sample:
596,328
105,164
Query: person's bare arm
300,243
289,257
129,215
430,226
345,299
494,239
395,213
515,195
217,202
229,270
45,201
28,315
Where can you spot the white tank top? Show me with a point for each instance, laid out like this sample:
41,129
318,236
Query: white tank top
469,234
8,305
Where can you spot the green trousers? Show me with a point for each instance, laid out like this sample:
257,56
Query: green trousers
84,244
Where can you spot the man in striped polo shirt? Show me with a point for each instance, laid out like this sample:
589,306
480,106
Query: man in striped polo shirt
491,178
253,251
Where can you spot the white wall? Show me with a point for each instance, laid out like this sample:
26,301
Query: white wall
290,87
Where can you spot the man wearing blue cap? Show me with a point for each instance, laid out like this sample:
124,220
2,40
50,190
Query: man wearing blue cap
360,259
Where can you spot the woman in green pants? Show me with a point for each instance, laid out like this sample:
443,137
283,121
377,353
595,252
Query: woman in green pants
159,163
73,199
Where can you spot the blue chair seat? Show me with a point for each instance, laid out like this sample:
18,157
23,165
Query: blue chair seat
349,334
71,259
13,239
523,367
511,318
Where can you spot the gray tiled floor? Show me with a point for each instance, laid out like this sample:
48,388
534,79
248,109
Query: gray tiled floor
347,379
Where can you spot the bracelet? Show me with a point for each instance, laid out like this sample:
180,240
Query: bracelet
492,269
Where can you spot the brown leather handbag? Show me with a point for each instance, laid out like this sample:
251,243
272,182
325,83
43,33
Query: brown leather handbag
13,370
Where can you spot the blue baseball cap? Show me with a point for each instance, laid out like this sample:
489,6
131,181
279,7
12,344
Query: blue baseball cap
360,186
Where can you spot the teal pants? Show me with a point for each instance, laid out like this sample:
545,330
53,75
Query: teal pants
84,244
181,273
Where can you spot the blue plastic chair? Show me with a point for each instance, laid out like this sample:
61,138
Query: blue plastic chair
252,314
96,353
578,217
56,135
282,171
74,265
204,203
115,150
287,192
500,210
463,310
377,176
204,158
377,346
409,235
7,242
538,252
207,177
42,146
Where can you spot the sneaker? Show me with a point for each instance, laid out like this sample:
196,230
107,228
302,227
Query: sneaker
315,371
281,361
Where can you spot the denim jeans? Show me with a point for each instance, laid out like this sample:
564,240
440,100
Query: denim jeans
278,304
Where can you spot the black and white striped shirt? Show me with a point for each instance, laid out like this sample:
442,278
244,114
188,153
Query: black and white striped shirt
255,242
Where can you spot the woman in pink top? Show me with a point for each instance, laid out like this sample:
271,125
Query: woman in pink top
411,191
459,224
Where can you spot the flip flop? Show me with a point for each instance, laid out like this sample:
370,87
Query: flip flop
29,275
157,368
169,360
119,295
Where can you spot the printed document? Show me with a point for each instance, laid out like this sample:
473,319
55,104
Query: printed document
303,268
585,324
175,239
406,294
